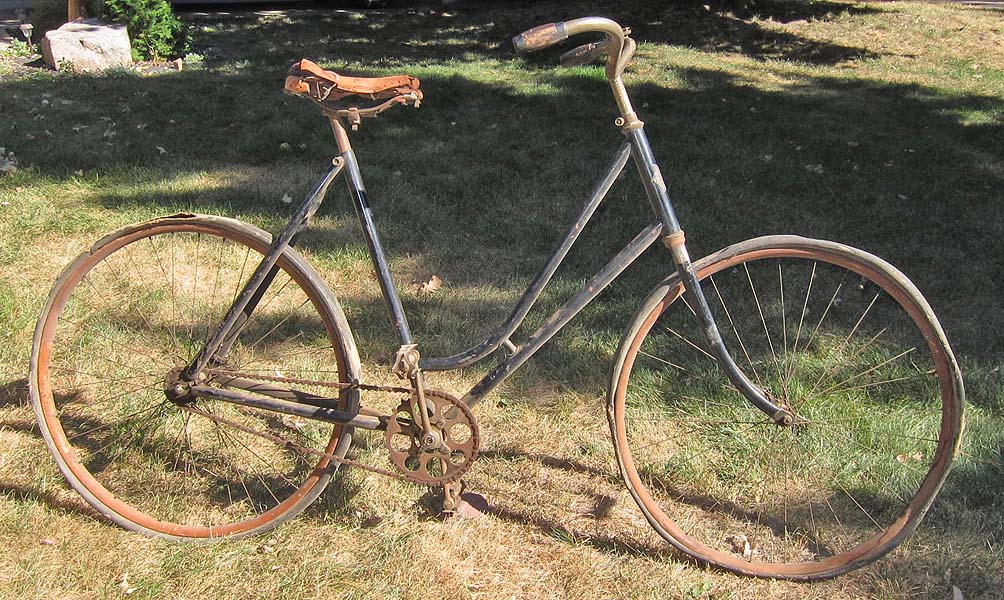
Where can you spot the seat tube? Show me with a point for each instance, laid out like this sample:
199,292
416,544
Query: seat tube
387,287
673,238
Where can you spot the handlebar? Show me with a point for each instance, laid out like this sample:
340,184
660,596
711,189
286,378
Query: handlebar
615,44
540,37
584,54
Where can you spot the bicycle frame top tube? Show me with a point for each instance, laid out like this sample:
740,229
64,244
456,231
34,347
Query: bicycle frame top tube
619,49
668,228
501,335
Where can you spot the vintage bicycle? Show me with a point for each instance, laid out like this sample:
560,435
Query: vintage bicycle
785,407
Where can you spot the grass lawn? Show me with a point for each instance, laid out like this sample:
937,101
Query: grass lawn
878,125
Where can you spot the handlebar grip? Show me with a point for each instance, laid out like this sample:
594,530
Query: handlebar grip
540,37
584,54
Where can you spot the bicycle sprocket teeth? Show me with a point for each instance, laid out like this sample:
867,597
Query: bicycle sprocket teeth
456,440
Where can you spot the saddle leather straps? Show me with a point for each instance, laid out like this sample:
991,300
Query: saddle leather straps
307,79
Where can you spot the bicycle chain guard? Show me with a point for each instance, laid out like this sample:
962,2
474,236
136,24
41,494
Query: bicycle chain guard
452,453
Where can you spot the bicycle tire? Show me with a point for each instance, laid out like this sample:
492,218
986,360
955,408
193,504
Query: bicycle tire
142,301
864,362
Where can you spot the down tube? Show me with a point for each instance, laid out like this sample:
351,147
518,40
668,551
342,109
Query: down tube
563,315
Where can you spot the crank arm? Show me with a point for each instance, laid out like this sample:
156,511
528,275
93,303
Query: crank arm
275,404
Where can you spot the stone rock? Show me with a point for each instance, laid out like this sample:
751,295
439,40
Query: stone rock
88,45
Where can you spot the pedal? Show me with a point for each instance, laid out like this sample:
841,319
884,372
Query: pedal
461,504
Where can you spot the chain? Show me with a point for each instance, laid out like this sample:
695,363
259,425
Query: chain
330,384
287,443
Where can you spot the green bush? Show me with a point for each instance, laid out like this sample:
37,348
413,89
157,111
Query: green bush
154,31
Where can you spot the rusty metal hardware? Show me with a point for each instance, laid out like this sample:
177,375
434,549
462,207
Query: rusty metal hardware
355,115
442,455
406,361
299,381
451,496
449,412
298,448
677,238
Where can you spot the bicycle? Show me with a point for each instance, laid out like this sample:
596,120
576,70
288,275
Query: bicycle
194,377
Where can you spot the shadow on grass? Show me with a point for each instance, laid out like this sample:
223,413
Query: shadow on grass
830,158
415,34
479,184
71,505
14,393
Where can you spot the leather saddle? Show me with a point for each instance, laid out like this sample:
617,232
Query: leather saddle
309,80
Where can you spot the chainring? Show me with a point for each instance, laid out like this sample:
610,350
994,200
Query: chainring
454,422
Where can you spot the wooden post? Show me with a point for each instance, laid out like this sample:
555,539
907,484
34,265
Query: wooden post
75,10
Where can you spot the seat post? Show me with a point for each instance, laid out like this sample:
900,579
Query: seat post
341,136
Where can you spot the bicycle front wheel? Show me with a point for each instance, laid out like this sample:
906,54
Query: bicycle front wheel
141,303
851,347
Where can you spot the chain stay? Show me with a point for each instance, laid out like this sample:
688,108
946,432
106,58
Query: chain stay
330,384
401,476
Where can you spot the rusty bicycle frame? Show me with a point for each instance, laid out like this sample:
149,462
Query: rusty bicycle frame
408,363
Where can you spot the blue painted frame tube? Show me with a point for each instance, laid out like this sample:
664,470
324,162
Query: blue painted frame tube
532,293
390,296
656,190
565,313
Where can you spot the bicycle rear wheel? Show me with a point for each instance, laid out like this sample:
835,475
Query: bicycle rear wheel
851,347
143,301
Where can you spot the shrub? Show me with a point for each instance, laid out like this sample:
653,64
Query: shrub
154,31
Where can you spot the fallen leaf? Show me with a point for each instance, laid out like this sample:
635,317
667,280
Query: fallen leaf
815,168
741,545
123,584
286,198
79,172
429,286
161,149
109,134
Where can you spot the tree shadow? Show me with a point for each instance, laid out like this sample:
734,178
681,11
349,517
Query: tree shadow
14,393
413,34
909,172
71,505
830,157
